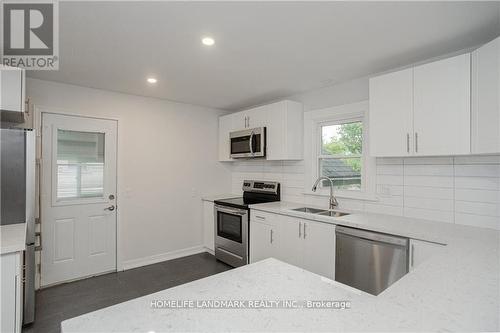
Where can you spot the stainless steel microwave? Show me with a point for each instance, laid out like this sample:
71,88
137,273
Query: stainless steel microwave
249,143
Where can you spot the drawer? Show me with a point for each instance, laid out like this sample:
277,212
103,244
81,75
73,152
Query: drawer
263,217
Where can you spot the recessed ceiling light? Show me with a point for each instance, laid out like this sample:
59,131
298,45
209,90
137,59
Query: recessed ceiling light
209,41
152,80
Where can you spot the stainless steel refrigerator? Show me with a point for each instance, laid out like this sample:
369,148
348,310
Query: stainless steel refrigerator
17,159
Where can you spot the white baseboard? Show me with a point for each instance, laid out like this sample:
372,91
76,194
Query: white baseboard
212,252
134,263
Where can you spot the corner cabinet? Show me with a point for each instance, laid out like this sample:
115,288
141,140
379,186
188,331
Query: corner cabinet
11,291
302,243
422,111
284,129
486,99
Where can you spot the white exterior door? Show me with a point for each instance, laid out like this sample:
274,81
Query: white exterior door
78,197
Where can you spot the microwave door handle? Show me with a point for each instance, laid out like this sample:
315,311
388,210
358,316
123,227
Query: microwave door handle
251,143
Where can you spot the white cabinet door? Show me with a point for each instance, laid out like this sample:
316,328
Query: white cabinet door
486,99
262,241
319,248
420,251
256,117
284,135
442,107
208,225
12,87
225,127
391,114
291,245
239,120
10,295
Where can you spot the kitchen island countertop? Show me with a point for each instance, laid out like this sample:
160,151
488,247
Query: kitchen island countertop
455,290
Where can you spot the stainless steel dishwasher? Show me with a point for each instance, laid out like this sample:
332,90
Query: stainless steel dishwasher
369,261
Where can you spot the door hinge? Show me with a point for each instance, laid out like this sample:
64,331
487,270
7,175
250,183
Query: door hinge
39,268
37,220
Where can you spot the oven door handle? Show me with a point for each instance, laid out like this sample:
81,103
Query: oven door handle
234,211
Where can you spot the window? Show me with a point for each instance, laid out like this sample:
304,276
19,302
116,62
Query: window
80,165
340,155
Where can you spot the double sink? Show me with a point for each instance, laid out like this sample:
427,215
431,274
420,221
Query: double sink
317,211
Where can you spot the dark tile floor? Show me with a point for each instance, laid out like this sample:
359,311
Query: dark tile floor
68,300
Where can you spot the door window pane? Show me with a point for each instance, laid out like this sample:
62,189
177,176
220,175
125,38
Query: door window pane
80,164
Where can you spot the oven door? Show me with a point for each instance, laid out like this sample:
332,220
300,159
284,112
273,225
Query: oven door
248,143
231,235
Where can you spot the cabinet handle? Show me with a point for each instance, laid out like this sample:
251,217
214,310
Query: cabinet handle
271,235
300,229
248,121
416,142
305,225
260,217
408,142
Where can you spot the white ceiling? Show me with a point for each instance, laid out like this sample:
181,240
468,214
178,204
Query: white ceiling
263,52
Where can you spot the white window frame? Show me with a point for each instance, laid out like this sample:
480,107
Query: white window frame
313,121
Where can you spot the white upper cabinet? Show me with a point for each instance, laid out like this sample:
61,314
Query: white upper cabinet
422,111
441,121
225,127
284,129
486,99
12,89
391,114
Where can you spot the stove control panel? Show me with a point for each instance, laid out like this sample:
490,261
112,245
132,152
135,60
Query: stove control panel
260,186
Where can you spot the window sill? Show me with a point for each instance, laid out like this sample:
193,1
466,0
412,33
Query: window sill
346,195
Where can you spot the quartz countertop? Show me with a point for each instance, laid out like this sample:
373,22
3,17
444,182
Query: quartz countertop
13,238
220,196
457,289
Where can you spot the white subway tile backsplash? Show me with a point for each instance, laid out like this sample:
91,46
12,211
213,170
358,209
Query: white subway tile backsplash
428,160
477,195
429,203
471,170
428,214
383,209
491,222
478,183
428,170
489,159
429,192
389,180
389,160
477,208
390,169
432,181
463,190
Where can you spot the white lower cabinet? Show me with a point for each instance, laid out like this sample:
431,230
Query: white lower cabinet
319,248
302,243
208,225
420,251
10,292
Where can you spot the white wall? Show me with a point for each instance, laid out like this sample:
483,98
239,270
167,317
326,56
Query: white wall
167,159
463,190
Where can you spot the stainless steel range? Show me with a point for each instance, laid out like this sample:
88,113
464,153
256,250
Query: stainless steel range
232,220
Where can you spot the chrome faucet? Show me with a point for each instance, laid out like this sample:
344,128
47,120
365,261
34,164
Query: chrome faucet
333,201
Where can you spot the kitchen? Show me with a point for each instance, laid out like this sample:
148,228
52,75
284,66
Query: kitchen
371,182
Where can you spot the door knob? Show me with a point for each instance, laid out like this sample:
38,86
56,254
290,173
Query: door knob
110,208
